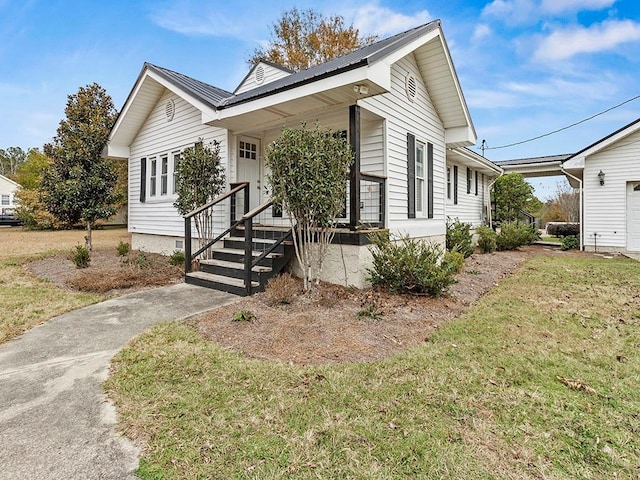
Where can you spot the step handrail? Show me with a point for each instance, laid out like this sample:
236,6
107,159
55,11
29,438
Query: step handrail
273,247
217,200
247,219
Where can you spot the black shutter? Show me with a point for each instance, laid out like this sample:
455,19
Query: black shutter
429,180
411,175
476,182
468,180
143,180
455,184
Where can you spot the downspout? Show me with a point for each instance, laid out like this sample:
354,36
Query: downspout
581,203
489,199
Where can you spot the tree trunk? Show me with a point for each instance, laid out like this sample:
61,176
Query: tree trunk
87,238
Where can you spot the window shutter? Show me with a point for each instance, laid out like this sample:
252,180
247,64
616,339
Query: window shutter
430,180
411,175
455,184
468,180
476,182
143,180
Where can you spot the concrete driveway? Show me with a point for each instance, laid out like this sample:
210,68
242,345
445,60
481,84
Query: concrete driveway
55,422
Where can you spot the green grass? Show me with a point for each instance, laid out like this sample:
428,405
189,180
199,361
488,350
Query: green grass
481,400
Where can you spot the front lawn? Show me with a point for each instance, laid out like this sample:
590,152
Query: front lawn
537,380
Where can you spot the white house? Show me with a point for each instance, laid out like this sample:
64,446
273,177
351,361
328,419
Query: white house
8,189
609,173
398,103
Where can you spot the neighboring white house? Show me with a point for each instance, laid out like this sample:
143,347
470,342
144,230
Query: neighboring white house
8,189
609,173
398,102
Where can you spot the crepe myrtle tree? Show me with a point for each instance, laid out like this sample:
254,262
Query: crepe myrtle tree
309,170
199,179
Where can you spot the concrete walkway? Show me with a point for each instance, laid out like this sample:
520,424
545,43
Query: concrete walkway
55,422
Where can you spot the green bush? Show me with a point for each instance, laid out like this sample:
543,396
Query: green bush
515,234
570,242
81,257
244,316
459,237
123,249
486,239
177,258
408,266
454,261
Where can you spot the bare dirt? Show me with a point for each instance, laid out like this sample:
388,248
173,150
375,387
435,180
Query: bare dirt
333,325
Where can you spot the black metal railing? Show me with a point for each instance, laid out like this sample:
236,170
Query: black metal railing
236,188
372,200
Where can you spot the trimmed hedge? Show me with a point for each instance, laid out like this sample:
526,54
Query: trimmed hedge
563,229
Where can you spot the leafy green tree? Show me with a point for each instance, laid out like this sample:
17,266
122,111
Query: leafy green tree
80,184
512,194
309,170
30,208
304,38
10,160
200,178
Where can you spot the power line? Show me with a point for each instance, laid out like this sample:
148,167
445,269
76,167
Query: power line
485,147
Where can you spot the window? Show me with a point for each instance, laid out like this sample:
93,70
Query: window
176,163
476,182
455,184
152,177
164,175
449,183
6,200
468,180
419,177
248,150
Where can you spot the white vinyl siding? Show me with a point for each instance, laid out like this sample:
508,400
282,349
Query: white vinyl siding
605,206
270,74
420,119
158,138
470,207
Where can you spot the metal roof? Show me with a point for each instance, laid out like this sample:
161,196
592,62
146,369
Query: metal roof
208,94
534,160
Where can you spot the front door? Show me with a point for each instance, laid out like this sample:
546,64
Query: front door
633,217
249,167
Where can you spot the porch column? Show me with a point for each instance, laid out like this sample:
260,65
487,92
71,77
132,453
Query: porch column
354,175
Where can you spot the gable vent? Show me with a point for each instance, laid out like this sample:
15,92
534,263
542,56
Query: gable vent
170,110
411,86
259,74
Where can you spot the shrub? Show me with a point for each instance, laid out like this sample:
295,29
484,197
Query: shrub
81,257
570,242
123,249
459,237
244,316
176,258
486,239
408,266
454,261
515,234
282,289
563,229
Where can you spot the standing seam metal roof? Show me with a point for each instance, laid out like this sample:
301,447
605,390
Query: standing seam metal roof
218,98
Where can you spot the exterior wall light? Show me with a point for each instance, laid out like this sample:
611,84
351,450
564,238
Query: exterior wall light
601,177
361,89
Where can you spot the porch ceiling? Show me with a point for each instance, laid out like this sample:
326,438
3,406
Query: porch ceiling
289,111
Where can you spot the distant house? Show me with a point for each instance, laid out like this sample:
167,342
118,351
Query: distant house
399,104
8,189
607,173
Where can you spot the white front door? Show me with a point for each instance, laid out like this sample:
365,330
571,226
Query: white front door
249,167
633,216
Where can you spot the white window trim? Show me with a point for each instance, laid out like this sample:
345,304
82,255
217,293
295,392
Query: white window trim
420,180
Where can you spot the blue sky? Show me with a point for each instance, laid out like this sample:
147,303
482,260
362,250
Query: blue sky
526,67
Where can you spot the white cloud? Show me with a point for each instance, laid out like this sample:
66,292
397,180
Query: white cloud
606,36
530,11
372,19
481,31
563,6
188,20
